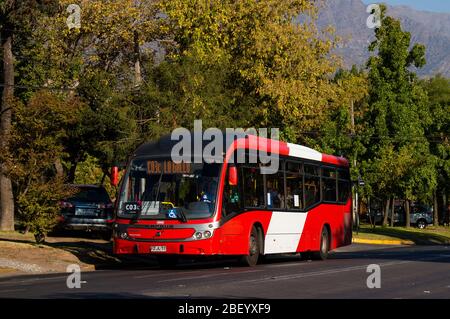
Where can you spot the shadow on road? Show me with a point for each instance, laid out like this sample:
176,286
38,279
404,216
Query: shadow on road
417,238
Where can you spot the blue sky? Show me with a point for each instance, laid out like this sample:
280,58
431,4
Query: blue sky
428,5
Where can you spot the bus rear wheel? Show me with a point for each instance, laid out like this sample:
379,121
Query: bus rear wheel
251,259
322,254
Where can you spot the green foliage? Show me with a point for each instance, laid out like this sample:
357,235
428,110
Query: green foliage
271,72
35,147
231,64
90,172
438,90
397,160
38,207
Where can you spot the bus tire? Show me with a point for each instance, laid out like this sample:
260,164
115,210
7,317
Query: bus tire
251,259
322,254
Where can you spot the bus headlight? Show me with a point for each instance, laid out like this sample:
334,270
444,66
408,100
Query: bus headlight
207,234
198,235
123,235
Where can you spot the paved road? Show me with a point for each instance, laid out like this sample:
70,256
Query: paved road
406,272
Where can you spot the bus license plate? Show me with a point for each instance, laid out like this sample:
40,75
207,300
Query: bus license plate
158,249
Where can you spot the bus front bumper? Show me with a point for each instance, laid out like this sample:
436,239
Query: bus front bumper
194,247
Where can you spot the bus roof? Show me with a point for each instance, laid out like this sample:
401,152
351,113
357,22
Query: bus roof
163,147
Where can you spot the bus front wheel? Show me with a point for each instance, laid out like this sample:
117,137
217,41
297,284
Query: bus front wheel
251,259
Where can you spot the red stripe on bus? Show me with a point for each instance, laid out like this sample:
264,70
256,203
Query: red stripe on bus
330,159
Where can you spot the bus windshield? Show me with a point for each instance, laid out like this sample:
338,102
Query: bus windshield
162,189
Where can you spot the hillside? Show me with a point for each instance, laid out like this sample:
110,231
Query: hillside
429,28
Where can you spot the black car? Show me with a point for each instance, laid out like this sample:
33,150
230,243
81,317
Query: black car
90,208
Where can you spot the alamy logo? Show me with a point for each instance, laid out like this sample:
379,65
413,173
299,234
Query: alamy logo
191,146
374,19
74,279
374,279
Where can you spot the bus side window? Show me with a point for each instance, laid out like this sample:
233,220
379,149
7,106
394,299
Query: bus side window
344,185
312,185
294,186
232,196
253,186
329,188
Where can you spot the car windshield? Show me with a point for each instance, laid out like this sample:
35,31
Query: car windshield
89,195
162,189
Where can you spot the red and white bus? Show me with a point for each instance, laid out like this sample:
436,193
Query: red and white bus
169,209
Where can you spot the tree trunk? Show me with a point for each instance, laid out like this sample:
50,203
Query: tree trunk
137,61
392,211
72,171
435,210
6,193
59,168
408,217
445,209
103,178
386,212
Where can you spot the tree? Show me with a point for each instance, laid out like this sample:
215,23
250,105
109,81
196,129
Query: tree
397,160
273,64
16,21
6,35
94,62
36,143
438,91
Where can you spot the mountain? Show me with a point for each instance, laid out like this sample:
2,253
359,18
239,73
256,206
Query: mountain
349,17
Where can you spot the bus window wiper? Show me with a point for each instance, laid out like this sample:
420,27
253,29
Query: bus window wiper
159,186
182,216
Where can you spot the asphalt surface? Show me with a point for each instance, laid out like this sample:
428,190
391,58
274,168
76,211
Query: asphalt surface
406,272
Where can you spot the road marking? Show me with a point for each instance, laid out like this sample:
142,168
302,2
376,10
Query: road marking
164,273
340,270
318,273
9,282
287,265
11,290
208,276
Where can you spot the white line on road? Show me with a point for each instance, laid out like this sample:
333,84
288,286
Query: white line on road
12,290
318,273
286,265
211,275
163,273
340,270
15,282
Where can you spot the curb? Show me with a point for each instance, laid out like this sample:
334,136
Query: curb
382,241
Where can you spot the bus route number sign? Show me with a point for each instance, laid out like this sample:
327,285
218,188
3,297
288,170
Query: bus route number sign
132,207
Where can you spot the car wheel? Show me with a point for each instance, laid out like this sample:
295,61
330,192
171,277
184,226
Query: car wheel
421,224
106,235
251,259
322,254
40,238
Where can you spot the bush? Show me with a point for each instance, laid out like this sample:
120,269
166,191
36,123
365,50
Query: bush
39,208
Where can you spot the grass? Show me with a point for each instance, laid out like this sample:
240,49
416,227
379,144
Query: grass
430,236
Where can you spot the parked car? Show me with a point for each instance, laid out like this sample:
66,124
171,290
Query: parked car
90,208
375,216
420,215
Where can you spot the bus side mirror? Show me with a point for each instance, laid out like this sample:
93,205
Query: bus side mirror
114,176
232,176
